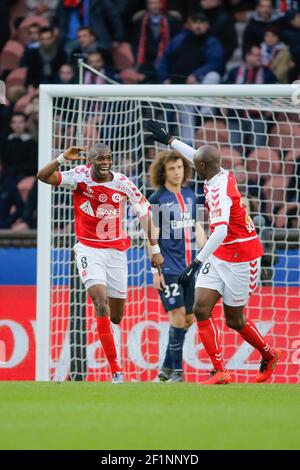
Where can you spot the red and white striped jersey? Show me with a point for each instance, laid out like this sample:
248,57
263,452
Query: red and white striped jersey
100,207
225,206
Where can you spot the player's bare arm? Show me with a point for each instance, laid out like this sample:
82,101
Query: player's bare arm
49,174
158,277
156,257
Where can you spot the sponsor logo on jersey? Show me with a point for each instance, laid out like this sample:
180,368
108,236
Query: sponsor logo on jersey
102,197
88,195
216,213
178,224
116,197
107,211
87,208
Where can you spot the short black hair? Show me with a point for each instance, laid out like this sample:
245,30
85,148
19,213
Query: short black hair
199,18
85,28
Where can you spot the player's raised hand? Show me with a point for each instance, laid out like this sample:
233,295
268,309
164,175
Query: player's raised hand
72,153
158,132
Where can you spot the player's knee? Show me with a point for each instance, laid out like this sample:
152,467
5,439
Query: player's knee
201,311
235,323
116,319
100,305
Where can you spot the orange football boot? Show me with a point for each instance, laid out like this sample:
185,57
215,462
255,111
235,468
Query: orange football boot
267,367
216,377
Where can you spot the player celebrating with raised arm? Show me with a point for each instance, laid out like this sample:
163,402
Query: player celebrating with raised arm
229,262
100,196
174,214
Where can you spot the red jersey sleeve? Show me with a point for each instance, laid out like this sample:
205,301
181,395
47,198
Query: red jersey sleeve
219,203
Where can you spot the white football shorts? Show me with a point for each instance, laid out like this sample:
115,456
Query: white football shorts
234,281
106,266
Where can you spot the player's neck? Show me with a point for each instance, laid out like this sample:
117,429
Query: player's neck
213,172
105,179
173,188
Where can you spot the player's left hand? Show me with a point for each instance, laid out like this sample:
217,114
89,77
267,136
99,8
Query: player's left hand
188,274
157,261
158,132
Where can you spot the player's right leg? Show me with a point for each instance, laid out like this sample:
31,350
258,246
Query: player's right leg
99,298
92,267
209,289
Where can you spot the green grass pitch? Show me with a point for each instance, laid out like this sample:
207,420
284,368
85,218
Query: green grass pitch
148,416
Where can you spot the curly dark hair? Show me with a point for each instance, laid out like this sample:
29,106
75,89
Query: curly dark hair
157,168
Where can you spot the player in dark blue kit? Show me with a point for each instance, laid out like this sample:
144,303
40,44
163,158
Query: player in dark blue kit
174,214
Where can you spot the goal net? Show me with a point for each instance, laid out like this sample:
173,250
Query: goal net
258,134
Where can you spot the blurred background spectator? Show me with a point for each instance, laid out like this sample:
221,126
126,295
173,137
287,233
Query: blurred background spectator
150,36
192,55
44,8
44,61
276,55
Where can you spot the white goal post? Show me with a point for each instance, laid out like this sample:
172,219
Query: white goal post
213,109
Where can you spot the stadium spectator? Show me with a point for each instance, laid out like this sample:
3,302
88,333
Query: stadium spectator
263,17
32,113
44,8
86,44
33,33
221,24
11,204
96,61
193,56
249,127
291,37
151,33
27,218
176,8
18,152
99,15
44,62
66,75
178,232
276,55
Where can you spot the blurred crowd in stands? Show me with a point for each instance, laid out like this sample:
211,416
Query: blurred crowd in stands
154,41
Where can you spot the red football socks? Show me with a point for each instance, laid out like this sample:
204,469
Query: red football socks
106,337
251,334
209,337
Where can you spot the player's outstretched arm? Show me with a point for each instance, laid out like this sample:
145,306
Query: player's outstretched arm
159,134
49,173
